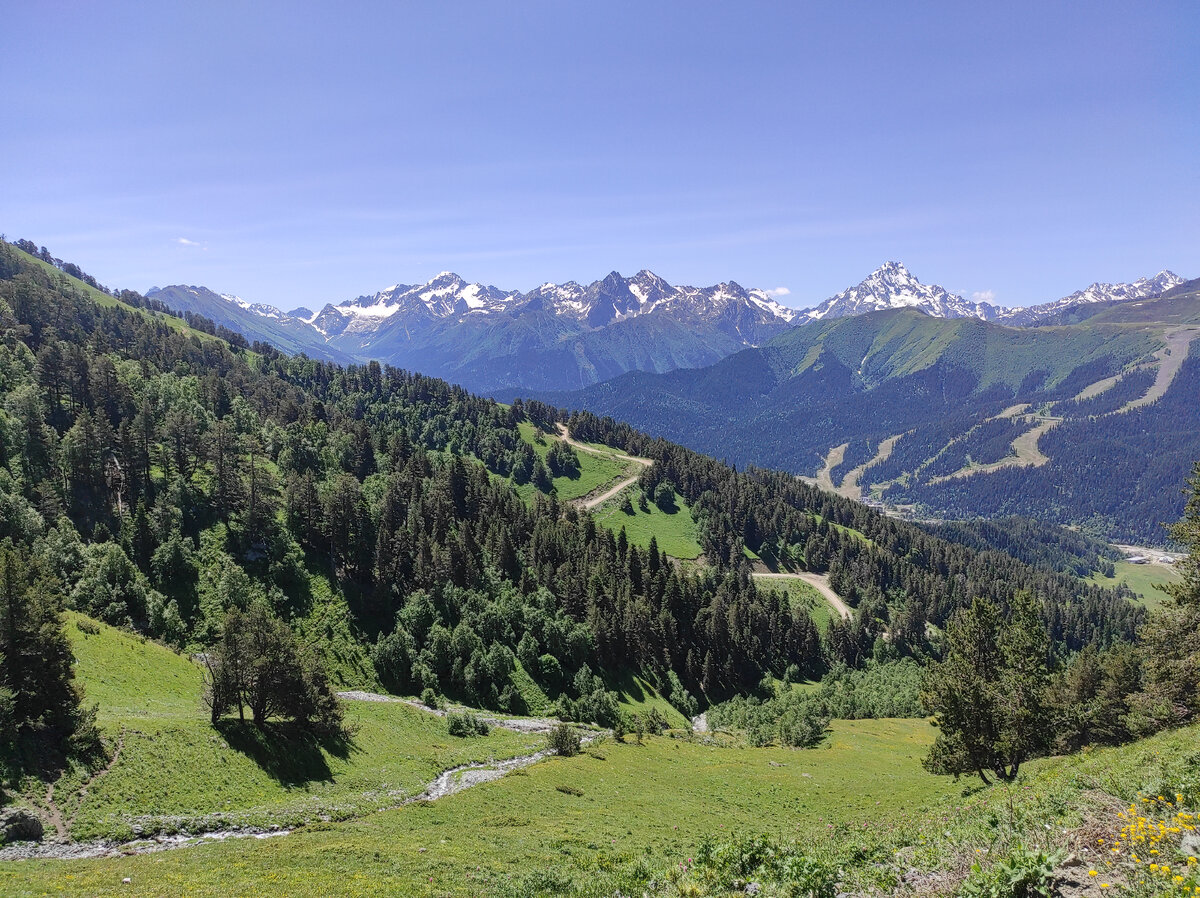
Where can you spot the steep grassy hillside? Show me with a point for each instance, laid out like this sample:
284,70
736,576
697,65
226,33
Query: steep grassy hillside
67,282
674,530
174,771
596,471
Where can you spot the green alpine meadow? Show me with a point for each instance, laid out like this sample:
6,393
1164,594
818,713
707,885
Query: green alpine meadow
614,450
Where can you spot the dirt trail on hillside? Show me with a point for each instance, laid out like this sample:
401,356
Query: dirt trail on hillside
820,582
91,781
850,488
1170,359
593,501
56,820
824,477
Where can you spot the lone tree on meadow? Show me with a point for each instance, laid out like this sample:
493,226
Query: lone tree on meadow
258,664
989,693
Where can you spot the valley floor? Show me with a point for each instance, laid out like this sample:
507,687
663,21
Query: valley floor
623,815
602,808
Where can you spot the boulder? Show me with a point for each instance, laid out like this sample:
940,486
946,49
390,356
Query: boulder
20,825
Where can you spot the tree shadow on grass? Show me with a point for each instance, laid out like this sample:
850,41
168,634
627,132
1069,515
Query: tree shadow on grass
628,687
287,752
971,788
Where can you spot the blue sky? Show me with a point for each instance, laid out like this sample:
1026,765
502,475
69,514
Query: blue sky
298,156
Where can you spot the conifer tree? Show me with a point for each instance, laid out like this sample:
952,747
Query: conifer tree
989,693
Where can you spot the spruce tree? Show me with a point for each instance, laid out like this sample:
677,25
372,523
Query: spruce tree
989,693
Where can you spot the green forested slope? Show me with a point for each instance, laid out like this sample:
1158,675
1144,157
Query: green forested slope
417,538
937,389
414,535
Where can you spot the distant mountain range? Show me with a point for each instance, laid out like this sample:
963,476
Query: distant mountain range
1094,424
556,336
891,286
569,336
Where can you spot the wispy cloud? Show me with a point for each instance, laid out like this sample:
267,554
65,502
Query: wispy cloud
183,241
778,291
984,296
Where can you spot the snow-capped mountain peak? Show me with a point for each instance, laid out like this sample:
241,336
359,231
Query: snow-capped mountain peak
446,296
893,286
258,308
1139,289
1142,288
449,299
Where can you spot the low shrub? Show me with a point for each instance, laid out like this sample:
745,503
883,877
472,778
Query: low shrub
466,725
565,741
1022,873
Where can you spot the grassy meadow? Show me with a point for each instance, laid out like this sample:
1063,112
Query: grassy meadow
1145,580
595,471
621,815
803,594
569,817
675,531
175,771
615,817
103,299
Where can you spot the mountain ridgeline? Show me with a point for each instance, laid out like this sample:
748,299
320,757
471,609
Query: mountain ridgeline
568,336
558,335
408,532
892,286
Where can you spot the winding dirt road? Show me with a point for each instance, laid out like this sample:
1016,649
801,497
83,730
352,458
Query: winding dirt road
594,501
820,582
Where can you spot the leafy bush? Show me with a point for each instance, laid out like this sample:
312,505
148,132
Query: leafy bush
762,859
620,727
429,698
1023,873
466,725
564,740
795,719
878,690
